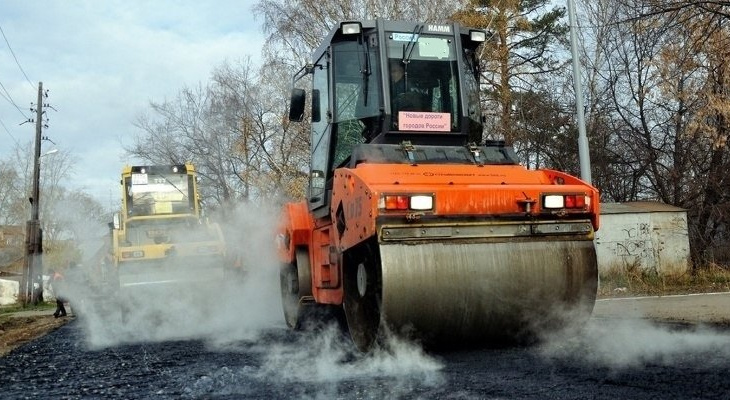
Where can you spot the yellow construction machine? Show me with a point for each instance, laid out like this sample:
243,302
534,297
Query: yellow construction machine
161,238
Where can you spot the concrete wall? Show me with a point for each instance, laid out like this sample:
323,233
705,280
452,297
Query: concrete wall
653,241
8,291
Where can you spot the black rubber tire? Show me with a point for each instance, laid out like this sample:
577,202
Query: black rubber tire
362,311
289,284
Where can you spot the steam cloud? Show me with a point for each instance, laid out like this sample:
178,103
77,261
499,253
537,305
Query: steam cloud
244,312
632,342
237,307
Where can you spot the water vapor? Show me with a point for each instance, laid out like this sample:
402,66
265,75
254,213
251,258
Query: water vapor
322,364
216,308
328,355
618,343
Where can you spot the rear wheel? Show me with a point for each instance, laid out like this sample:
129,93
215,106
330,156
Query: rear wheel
363,288
295,283
290,294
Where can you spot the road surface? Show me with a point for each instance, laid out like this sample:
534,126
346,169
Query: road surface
619,354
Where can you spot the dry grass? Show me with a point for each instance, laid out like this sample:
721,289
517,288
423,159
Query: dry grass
17,307
634,281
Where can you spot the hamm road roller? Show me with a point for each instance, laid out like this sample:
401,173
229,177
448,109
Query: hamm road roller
412,223
162,244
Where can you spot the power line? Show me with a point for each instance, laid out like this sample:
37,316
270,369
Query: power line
9,134
16,58
4,97
10,100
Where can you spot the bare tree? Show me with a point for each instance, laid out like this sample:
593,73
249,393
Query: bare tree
186,130
707,128
270,153
78,223
663,135
17,173
232,130
12,195
56,202
295,28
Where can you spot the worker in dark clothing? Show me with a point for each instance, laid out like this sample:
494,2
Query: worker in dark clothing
58,283
397,78
404,94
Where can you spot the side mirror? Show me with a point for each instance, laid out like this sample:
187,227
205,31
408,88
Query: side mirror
297,102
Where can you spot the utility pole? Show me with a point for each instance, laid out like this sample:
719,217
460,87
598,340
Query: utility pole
583,151
33,263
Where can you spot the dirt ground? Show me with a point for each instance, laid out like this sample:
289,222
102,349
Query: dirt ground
22,327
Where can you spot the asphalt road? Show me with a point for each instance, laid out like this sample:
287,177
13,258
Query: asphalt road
617,355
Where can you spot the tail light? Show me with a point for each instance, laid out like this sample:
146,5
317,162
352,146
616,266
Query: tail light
406,202
566,201
575,201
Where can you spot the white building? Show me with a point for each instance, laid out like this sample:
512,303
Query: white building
649,235
8,291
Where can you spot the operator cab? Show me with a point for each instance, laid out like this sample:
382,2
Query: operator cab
384,83
159,190
395,81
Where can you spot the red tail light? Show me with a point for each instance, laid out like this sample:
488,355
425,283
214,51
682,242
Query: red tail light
570,201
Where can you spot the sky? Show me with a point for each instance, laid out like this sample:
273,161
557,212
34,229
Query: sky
102,62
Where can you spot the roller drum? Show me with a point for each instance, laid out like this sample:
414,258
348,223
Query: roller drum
482,292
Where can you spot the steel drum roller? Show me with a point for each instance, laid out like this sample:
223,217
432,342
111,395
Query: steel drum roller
482,291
